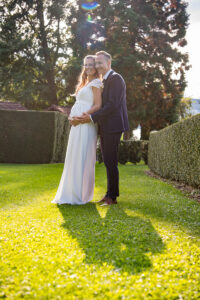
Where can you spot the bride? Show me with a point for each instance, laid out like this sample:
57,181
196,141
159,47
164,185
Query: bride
77,181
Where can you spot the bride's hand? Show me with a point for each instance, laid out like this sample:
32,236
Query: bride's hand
73,121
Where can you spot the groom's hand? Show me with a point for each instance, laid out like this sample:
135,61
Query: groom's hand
84,118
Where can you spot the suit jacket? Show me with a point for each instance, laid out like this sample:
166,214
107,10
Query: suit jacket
113,117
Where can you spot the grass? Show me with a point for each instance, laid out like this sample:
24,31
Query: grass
146,247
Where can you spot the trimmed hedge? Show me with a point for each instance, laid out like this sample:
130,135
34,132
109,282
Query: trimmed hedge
41,137
174,152
32,136
129,151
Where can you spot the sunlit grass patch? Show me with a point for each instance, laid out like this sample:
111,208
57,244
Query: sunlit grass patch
146,247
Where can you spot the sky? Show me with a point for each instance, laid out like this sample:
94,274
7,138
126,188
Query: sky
193,49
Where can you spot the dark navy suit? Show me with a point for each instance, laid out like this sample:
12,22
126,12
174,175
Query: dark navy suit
112,119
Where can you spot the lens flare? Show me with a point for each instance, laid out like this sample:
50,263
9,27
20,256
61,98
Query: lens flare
89,5
90,31
89,18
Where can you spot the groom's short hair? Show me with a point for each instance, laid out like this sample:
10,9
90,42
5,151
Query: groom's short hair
106,54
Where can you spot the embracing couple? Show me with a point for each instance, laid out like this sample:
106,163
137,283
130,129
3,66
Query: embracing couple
100,107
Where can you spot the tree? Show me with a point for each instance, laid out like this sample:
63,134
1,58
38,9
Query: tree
184,108
42,44
145,39
86,37
33,49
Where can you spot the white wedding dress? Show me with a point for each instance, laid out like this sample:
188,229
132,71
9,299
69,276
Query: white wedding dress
78,178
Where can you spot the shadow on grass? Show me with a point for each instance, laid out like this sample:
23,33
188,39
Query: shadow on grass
118,239
181,213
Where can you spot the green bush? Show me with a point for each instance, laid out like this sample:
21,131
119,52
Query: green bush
32,136
134,151
123,152
174,152
129,151
144,150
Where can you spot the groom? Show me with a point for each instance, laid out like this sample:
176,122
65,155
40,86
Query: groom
112,119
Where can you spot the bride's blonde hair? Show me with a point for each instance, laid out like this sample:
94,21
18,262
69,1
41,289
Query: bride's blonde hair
82,79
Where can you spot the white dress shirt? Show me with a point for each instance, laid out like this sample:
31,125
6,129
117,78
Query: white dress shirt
106,75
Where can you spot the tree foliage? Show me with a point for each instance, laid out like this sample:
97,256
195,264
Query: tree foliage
145,38
33,47
184,108
42,60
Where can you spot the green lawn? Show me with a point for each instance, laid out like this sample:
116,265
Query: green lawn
146,247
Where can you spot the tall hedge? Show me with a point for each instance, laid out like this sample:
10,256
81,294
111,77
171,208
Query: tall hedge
174,152
32,136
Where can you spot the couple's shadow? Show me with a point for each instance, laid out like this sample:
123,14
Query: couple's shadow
118,239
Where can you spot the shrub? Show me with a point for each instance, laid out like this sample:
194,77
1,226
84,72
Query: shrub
174,152
144,150
32,136
123,153
134,151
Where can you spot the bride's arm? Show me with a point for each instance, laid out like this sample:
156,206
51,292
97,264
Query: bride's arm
97,100
96,106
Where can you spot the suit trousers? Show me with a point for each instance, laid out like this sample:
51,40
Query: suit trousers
109,147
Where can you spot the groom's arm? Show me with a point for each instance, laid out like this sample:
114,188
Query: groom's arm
115,96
